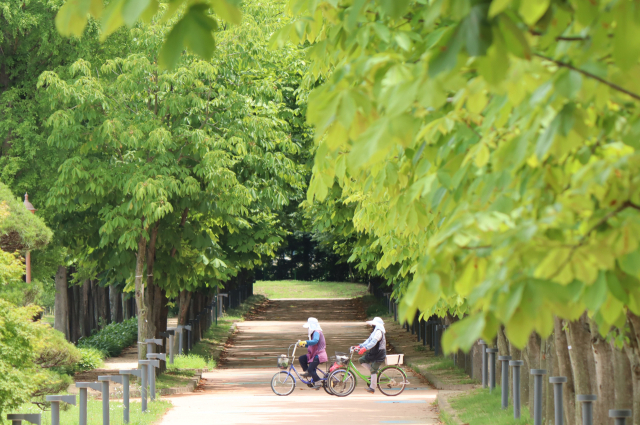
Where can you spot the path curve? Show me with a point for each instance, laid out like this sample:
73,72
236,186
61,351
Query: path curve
238,392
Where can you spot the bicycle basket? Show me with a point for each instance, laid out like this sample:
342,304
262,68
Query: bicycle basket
283,361
342,358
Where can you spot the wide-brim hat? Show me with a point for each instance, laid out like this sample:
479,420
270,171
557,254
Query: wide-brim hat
311,321
376,321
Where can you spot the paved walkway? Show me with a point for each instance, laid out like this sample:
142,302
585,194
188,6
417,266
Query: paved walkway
239,391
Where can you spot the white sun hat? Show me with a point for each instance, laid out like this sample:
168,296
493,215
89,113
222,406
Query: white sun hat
313,325
378,323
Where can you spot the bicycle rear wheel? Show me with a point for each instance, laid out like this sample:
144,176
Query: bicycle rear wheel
341,382
283,383
391,380
327,388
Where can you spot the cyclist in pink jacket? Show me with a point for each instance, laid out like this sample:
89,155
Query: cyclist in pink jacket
316,351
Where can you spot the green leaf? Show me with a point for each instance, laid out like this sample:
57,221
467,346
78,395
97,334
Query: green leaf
447,58
195,31
547,137
227,11
71,19
498,6
514,38
112,18
532,11
630,263
626,40
132,10
478,31
463,334
616,289
395,8
594,294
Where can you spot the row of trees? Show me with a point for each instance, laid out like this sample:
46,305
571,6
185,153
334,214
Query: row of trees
483,157
158,183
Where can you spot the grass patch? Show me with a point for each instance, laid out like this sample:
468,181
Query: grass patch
192,361
479,407
313,289
69,415
447,419
174,379
444,364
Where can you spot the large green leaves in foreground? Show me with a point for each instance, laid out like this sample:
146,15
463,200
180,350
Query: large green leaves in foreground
194,29
491,149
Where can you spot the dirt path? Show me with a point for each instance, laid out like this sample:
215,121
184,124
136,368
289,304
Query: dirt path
239,391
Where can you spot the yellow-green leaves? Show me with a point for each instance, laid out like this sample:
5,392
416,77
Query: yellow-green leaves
498,6
72,16
532,11
626,47
463,334
194,29
491,144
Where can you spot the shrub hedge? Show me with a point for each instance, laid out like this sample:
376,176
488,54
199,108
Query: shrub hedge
113,338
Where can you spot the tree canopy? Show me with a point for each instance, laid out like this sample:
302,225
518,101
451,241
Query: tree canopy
489,149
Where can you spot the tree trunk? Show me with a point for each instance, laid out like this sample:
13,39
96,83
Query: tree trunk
582,363
622,378
161,324
101,297
75,327
115,305
503,350
533,355
151,302
185,302
126,310
140,298
85,308
93,302
605,385
564,369
632,348
61,308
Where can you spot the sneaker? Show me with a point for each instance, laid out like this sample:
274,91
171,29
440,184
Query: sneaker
370,390
305,375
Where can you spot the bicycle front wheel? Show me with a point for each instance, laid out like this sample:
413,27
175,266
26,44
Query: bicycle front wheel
283,383
391,380
341,382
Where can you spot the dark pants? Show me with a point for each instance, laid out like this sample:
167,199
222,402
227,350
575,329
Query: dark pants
311,367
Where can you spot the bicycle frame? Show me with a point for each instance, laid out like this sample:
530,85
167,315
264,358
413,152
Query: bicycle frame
324,376
351,367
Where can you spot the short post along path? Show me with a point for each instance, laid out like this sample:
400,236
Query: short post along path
239,391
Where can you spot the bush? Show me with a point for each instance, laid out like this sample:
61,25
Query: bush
17,334
53,350
113,338
91,359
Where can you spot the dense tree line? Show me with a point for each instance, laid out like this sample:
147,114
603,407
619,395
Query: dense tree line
158,184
